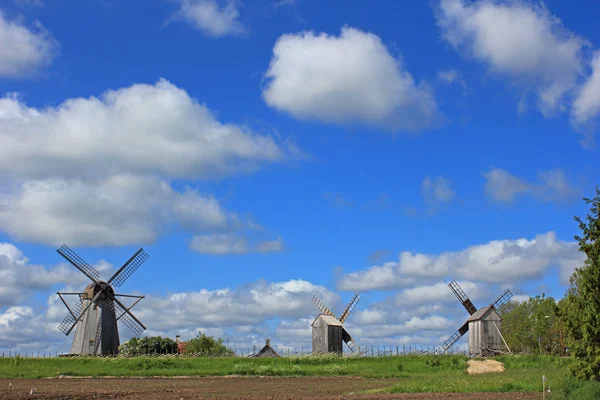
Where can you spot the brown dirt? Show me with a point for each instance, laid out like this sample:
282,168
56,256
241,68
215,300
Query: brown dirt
484,367
321,388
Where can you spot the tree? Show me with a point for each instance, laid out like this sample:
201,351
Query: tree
532,326
582,301
207,345
147,346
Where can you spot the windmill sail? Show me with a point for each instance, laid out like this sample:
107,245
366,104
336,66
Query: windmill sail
78,263
349,341
350,307
128,318
317,302
128,268
97,330
455,336
503,299
75,314
462,297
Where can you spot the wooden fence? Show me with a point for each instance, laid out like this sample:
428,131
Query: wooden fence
365,351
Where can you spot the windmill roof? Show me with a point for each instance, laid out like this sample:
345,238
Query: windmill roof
329,320
482,312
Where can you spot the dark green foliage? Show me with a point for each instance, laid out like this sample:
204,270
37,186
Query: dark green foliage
147,346
204,344
581,308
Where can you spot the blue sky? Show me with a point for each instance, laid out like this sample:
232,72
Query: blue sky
264,152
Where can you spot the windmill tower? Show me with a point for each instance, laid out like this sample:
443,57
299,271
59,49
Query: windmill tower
483,325
96,313
328,331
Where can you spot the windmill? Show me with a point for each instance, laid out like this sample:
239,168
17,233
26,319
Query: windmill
328,331
96,313
482,325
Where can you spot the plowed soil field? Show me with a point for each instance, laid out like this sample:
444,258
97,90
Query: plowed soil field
321,388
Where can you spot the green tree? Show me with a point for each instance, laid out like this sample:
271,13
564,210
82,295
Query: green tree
207,345
581,308
147,346
532,326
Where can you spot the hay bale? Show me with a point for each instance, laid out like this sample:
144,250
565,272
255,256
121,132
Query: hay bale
484,367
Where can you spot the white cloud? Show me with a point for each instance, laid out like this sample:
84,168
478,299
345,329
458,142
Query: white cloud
377,277
226,243
296,330
19,279
586,106
517,40
24,50
98,169
138,129
438,293
498,261
389,330
351,78
209,17
552,186
436,192
119,210
249,304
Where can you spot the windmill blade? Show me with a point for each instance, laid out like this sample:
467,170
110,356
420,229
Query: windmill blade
456,336
98,335
75,313
79,263
349,341
350,307
127,317
462,297
128,268
503,299
317,302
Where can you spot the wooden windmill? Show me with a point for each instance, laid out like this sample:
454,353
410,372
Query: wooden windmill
96,313
483,325
328,331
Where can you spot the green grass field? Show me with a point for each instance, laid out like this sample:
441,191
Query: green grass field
416,373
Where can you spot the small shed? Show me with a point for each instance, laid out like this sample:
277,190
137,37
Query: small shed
484,332
266,351
327,334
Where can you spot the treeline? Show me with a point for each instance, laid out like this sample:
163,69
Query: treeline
201,344
572,325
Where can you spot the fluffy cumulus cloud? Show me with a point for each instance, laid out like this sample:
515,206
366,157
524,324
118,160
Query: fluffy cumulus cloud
99,169
551,186
19,279
520,41
345,79
244,305
24,50
118,210
226,243
212,17
498,261
142,128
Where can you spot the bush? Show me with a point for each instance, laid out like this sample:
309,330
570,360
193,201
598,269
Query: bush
148,346
207,345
